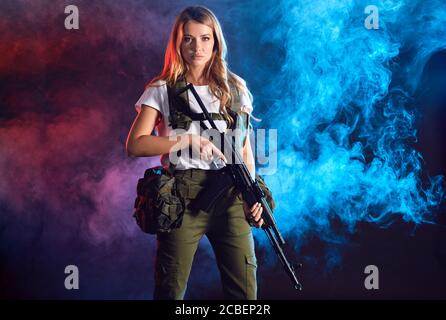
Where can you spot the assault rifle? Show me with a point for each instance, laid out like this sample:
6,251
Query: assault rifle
252,193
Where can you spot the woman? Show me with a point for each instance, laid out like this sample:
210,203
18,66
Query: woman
196,54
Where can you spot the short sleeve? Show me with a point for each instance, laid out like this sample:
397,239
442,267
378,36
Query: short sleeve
246,103
150,97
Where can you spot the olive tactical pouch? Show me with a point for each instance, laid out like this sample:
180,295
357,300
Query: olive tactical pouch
158,206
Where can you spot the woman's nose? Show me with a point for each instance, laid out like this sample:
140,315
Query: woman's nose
196,46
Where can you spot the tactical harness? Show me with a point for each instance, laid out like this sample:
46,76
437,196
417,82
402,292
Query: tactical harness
159,205
160,202
181,116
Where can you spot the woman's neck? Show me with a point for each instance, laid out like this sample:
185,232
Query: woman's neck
196,77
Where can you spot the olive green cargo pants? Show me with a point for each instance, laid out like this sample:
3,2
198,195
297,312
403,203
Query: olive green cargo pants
228,231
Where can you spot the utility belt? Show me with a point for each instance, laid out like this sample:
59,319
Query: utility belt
203,186
191,182
162,195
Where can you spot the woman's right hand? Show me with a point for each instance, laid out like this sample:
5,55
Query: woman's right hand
254,214
205,148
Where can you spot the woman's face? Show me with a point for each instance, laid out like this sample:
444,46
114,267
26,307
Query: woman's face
197,44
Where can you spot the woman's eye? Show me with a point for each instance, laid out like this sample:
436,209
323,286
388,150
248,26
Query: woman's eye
206,38
186,39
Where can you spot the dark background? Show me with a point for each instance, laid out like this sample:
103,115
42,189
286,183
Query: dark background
67,187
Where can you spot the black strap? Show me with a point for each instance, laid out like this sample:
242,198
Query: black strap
175,100
206,115
174,96
223,137
201,104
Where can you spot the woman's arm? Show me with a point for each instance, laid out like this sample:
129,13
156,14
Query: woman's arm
140,142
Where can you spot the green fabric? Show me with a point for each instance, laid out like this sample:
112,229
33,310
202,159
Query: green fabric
180,120
266,191
229,233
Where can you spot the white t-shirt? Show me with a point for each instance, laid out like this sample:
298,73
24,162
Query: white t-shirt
156,97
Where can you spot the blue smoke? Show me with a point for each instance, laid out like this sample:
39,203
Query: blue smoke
340,95
344,102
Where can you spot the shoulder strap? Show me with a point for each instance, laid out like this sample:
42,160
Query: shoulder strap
242,118
235,96
180,114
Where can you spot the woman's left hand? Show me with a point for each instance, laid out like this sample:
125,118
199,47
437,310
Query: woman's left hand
254,214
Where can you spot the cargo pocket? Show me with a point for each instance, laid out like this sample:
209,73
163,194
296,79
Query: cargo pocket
251,277
167,282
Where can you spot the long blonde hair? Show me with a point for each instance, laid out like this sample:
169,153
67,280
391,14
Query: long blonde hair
216,72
